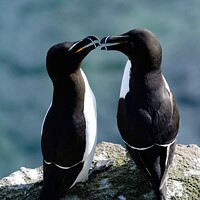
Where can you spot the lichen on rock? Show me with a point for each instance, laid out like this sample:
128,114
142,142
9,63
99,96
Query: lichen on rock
123,181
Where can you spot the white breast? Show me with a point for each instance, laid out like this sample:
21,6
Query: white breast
125,80
170,94
166,84
90,114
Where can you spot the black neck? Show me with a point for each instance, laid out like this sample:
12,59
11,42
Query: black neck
142,78
68,95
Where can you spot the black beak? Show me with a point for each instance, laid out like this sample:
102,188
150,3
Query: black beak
89,43
111,42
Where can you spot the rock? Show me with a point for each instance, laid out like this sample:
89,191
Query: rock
122,181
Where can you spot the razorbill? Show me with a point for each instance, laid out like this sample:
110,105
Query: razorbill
147,116
69,127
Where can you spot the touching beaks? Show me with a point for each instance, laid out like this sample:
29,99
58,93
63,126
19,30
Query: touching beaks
91,42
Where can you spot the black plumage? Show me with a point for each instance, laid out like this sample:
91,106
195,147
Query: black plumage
147,116
69,128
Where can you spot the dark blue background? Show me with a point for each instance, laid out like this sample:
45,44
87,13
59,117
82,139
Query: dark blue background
29,28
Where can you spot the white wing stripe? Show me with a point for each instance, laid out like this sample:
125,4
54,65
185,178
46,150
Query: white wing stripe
145,148
166,145
50,163
136,148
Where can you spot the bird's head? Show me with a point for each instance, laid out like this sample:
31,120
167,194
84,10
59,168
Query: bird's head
140,45
65,58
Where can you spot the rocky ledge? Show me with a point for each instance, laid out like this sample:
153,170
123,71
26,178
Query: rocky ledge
122,181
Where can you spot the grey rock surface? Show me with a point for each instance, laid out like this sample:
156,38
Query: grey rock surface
123,181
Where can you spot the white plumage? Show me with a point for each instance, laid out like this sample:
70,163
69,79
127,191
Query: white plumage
125,80
90,115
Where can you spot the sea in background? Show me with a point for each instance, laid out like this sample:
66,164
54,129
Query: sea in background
29,28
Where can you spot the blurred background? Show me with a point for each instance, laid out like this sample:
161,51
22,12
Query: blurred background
29,28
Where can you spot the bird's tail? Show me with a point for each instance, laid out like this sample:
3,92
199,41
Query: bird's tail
161,193
57,181
154,164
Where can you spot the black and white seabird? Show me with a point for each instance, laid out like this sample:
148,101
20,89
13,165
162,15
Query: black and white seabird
69,127
147,116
